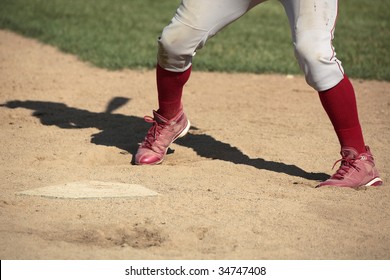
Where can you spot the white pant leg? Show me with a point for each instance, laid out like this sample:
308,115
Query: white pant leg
194,23
312,25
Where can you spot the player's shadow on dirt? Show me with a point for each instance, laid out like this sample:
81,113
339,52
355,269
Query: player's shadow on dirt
206,146
124,132
115,129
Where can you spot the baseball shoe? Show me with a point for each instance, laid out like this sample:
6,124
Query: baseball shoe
355,170
160,136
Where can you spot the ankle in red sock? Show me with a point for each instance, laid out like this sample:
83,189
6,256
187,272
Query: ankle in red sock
339,103
170,90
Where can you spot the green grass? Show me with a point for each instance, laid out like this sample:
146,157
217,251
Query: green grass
117,34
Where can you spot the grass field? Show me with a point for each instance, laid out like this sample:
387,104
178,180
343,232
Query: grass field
122,34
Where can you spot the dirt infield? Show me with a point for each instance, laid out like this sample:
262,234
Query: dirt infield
239,186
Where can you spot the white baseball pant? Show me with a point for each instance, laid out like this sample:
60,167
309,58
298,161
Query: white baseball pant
312,25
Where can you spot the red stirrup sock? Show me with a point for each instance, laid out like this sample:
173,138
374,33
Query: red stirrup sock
339,103
170,89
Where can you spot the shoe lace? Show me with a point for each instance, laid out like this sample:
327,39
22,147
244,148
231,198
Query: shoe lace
346,164
153,132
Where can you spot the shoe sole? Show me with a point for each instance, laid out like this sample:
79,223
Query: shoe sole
374,182
182,134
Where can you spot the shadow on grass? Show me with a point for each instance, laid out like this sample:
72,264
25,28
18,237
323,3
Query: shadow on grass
125,132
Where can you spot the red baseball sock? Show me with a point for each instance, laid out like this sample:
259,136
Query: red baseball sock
170,89
339,103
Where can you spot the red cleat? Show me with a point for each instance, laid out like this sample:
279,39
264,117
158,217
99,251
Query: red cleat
160,136
355,170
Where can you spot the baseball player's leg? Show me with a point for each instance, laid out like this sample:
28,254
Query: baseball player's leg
194,23
312,25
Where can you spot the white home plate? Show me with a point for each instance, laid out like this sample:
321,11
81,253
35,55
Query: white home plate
91,189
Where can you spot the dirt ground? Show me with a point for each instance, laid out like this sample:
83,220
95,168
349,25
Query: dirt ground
240,185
